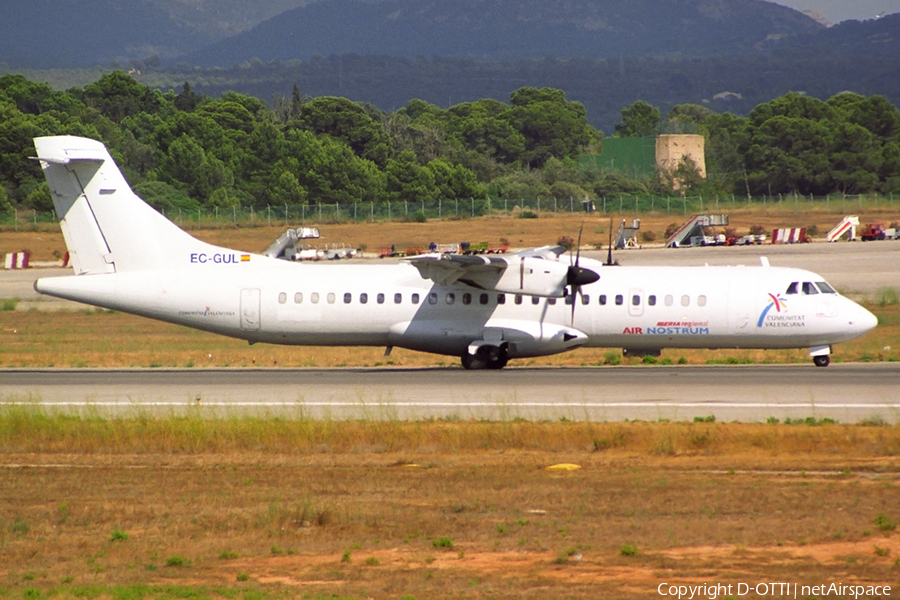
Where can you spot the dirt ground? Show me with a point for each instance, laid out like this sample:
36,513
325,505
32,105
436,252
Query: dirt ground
430,522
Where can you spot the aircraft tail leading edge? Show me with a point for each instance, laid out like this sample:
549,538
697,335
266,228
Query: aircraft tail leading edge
107,227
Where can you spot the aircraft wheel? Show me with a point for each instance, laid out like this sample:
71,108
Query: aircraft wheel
473,362
821,361
487,357
498,357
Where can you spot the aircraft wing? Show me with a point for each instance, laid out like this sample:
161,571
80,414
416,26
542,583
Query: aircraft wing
447,269
535,272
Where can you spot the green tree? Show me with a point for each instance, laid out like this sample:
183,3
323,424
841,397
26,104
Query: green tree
224,198
5,207
406,180
118,95
163,196
284,187
348,121
638,120
787,154
39,198
455,181
188,167
187,100
551,125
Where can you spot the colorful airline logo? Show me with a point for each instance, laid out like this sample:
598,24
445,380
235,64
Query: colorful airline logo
776,302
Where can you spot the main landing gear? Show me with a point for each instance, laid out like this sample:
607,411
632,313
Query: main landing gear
821,355
486,357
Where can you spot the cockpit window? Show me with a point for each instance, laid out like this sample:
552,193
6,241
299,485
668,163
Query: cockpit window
825,288
792,289
809,289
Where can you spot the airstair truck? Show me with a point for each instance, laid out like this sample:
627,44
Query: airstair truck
848,224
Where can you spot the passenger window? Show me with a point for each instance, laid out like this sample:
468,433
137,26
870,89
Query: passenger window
620,300
685,300
282,298
701,300
432,298
314,297
330,297
398,298
451,298
792,289
585,299
415,298
669,300
636,300
535,300
348,298
501,298
467,298
298,298
483,299
651,300
809,289
825,288
602,299
363,298
518,298
379,298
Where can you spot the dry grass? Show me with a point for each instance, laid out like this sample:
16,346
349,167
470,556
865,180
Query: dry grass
98,338
257,509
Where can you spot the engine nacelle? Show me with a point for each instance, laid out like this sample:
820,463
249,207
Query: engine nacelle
526,275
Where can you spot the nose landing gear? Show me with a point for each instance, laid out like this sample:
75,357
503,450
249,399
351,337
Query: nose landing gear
822,361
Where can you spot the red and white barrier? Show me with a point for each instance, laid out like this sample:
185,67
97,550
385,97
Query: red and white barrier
17,260
792,235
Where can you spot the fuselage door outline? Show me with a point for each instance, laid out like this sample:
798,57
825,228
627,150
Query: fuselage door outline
250,299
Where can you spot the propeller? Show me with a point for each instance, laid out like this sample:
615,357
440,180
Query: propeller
576,276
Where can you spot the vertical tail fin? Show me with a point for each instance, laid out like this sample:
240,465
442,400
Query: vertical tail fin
107,228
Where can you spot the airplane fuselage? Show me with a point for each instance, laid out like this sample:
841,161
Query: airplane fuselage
641,309
486,310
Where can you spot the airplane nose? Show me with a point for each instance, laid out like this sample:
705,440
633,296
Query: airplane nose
864,321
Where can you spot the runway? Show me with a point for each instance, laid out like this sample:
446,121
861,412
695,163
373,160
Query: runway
846,393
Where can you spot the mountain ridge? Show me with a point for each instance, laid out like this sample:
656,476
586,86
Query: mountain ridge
511,29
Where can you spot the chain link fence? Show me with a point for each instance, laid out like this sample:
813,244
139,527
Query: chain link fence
469,208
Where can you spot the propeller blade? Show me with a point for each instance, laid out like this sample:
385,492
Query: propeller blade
609,246
572,315
577,277
578,247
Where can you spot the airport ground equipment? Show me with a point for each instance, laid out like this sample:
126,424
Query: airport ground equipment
848,224
693,228
285,247
627,236
789,235
872,232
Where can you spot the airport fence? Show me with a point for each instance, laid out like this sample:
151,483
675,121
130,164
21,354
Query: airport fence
415,211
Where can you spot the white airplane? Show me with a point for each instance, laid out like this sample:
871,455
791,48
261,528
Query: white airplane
484,309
